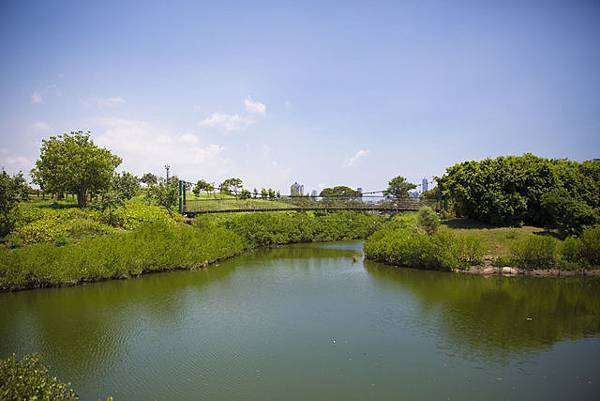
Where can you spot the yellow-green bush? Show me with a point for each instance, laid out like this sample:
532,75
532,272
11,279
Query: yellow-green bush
29,379
151,247
408,247
535,251
132,215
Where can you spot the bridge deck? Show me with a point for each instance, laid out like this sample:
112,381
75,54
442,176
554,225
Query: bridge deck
385,209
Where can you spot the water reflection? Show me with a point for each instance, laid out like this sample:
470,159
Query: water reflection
496,317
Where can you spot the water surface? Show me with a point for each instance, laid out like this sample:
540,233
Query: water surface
313,322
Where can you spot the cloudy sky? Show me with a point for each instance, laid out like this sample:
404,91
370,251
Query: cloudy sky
319,92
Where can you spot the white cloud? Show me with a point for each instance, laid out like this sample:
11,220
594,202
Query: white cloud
145,148
36,97
13,163
104,102
237,122
356,157
228,122
255,107
40,126
110,102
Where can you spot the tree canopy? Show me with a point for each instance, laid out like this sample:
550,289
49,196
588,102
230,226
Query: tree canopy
340,191
13,189
149,179
73,163
230,185
202,185
512,190
398,187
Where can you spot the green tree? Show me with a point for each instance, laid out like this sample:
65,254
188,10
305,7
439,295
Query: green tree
73,163
512,190
230,186
165,193
149,179
264,193
340,191
569,214
398,187
125,184
428,220
245,194
202,185
13,189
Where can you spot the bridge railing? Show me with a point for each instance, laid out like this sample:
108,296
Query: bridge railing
366,203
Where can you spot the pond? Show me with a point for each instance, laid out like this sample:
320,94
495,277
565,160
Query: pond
314,322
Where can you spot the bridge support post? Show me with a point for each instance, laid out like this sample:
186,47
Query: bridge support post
180,198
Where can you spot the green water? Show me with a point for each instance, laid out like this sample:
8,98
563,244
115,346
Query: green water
307,322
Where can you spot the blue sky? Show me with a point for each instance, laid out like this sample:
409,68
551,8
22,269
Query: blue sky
323,93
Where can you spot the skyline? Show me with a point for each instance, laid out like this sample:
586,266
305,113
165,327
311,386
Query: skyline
322,94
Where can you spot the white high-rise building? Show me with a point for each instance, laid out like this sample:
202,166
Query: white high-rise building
424,185
297,189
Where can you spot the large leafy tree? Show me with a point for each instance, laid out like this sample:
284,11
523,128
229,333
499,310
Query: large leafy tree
202,185
512,190
149,179
165,193
231,185
13,189
339,191
73,163
398,187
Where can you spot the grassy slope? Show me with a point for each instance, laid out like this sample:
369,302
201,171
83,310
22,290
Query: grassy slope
496,240
226,202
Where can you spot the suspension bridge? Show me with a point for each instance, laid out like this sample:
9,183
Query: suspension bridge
375,201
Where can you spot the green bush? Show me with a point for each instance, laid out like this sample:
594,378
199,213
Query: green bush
29,379
48,225
571,252
503,261
427,220
535,251
151,247
590,239
470,250
278,228
404,247
133,214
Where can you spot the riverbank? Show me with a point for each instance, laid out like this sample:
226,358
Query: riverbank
160,246
463,246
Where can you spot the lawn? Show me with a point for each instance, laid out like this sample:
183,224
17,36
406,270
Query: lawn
496,240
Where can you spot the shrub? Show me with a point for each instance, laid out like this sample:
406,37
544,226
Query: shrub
427,220
470,249
590,239
278,228
404,247
535,251
151,247
133,215
571,252
503,261
48,225
29,379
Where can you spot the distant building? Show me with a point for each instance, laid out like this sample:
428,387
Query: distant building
424,185
314,193
297,189
359,190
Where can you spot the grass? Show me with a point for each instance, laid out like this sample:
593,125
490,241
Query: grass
497,241
148,242
462,242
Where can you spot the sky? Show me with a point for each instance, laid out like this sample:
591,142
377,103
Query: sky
323,93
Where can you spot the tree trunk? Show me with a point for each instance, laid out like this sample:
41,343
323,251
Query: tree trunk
81,198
